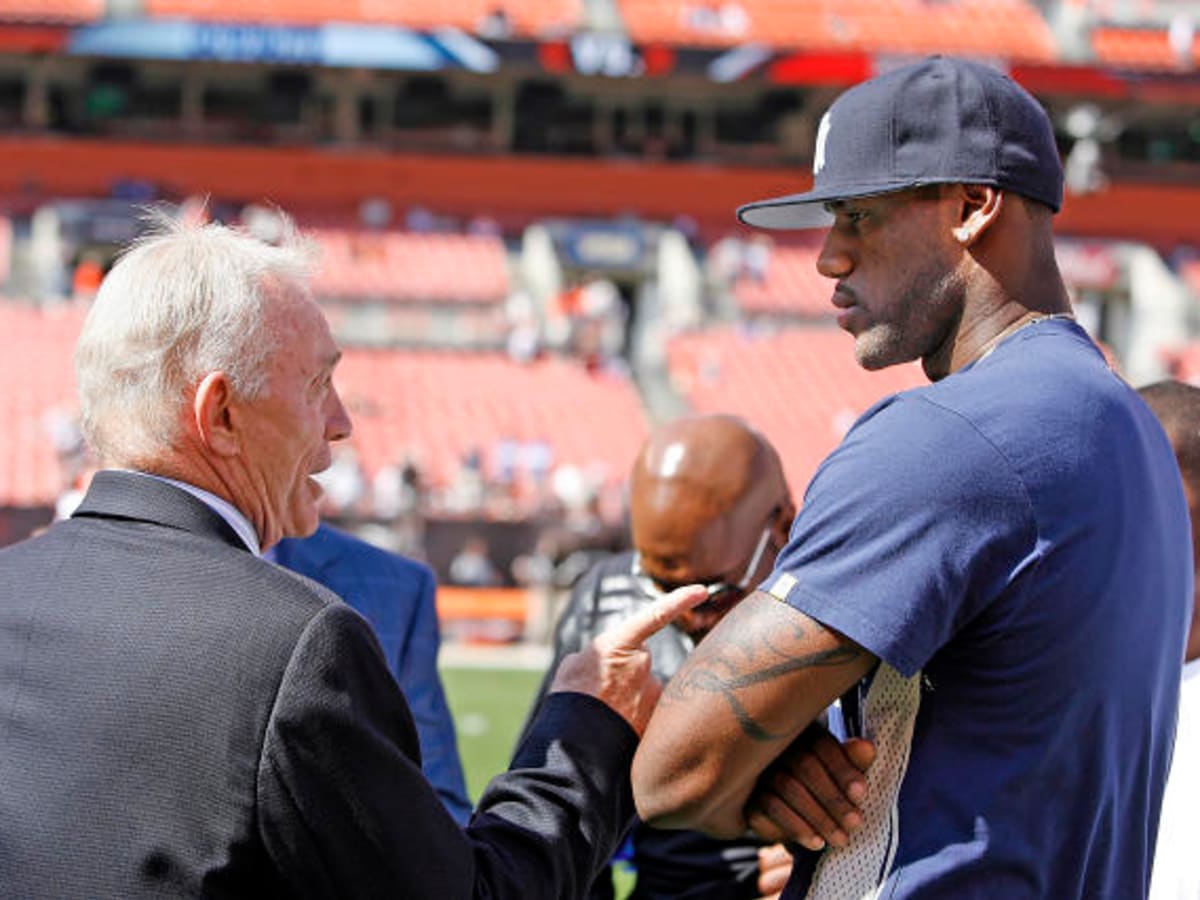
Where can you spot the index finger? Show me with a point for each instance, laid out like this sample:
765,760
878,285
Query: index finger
634,631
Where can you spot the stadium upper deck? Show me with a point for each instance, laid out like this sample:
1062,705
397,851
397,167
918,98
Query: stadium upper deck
439,104
1141,35
659,117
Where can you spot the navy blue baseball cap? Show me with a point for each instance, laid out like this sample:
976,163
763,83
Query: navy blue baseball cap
939,121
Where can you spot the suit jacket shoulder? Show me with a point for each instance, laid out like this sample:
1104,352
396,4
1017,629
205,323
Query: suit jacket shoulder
178,718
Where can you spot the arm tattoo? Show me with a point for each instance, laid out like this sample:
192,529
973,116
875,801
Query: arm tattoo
749,652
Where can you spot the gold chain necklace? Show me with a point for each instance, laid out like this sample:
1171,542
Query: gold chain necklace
1008,332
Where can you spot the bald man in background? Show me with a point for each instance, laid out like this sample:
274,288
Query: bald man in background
709,504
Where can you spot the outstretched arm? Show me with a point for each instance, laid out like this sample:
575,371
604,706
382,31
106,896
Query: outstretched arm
743,696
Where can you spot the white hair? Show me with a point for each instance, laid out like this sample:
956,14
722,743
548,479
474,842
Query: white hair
182,301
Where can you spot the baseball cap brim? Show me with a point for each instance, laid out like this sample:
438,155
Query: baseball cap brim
800,211
796,212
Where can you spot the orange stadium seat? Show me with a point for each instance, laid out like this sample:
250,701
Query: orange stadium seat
1140,48
406,266
1012,29
801,387
439,404
37,367
790,285
525,17
442,404
67,11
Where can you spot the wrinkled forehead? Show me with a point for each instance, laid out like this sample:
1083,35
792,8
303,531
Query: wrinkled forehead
297,327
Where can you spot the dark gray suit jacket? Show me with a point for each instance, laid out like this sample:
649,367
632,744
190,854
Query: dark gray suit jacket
179,718
398,597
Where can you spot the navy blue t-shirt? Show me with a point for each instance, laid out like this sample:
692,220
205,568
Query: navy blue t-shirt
1015,541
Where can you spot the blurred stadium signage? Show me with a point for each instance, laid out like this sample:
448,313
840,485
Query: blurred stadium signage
605,55
365,46
604,246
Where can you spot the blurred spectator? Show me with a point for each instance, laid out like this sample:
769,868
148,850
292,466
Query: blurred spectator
344,482
1181,35
756,258
483,225
135,190
375,213
571,488
466,492
495,25
523,332
505,457
420,220
725,19
397,490
534,571
596,316
732,258
472,567
262,222
538,459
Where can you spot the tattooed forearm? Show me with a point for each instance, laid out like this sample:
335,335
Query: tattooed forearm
755,651
710,682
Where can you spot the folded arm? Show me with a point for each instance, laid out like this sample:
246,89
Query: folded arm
741,699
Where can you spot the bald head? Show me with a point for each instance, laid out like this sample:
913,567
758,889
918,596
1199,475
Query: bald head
703,491
718,460
1177,406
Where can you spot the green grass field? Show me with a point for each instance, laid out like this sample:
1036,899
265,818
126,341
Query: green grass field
489,707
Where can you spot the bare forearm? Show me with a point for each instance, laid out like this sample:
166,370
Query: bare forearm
743,696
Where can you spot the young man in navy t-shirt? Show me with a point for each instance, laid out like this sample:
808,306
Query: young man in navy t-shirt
993,573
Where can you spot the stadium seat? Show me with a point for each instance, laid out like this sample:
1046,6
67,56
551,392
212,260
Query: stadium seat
801,386
37,367
790,284
439,405
1141,48
1009,29
51,11
411,267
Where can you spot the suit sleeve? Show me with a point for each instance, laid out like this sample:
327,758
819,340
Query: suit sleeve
417,673
344,810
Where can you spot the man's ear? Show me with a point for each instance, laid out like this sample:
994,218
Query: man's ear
980,207
211,414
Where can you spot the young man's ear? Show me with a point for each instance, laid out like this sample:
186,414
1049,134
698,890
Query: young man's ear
212,416
981,204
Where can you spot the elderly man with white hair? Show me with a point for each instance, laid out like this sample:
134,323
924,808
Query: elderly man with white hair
179,717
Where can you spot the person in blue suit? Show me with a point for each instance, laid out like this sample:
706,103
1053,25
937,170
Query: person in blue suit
396,595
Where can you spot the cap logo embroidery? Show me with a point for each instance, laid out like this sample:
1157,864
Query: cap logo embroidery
822,137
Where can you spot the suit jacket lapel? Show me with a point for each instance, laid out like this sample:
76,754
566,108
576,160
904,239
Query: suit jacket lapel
129,495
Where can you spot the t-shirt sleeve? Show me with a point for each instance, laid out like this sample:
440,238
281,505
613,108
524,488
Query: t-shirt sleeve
908,530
